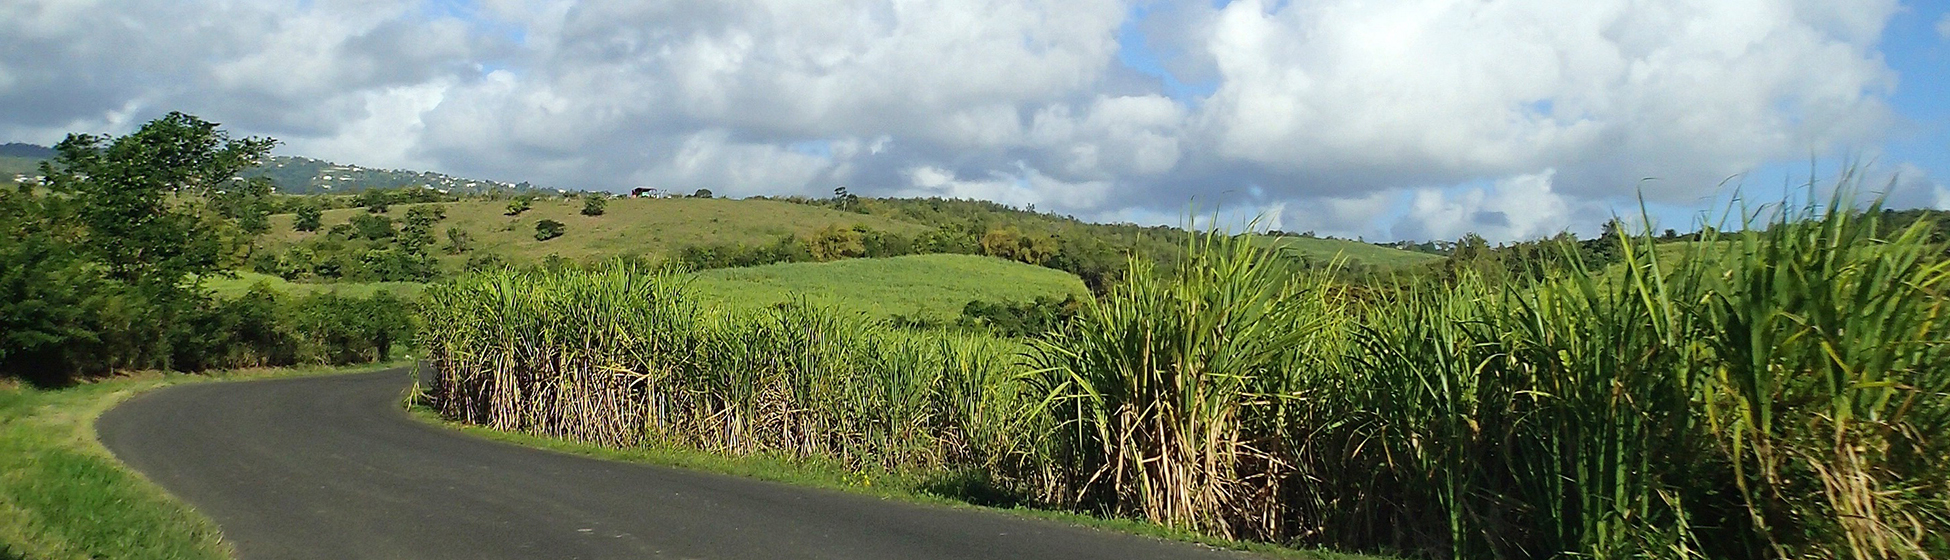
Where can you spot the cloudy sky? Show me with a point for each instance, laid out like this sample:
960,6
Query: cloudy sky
1388,119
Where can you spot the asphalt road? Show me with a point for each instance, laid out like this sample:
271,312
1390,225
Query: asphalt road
332,468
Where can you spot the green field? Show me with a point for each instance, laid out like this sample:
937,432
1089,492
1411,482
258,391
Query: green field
630,226
930,286
245,280
1354,252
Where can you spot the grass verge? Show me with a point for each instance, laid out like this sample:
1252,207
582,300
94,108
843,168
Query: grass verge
829,475
63,495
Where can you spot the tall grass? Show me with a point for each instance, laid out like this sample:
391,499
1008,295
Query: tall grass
1782,391
615,356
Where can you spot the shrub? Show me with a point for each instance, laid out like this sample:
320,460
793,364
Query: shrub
593,204
548,229
519,205
307,218
373,226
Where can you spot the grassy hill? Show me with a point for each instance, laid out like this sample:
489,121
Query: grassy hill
930,286
301,175
1353,251
630,226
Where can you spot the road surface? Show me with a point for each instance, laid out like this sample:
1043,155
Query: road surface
333,468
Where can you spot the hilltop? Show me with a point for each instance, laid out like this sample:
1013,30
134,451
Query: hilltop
302,175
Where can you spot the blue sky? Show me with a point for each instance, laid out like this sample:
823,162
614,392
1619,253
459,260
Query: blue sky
1418,119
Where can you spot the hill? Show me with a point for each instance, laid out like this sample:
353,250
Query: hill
28,151
1354,252
925,286
301,175
629,227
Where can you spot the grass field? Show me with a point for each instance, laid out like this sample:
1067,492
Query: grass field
931,286
1352,251
630,226
63,496
232,287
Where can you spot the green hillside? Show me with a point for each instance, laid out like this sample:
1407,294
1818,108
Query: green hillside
630,226
1354,252
928,286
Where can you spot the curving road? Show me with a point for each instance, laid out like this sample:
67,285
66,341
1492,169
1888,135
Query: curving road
332,468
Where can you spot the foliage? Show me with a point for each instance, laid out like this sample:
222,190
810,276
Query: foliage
375,201
458,241
702,193
594,204
308,218
103,270
144,201
627,355
1778,392
834,242
548,229
1044,315
519,205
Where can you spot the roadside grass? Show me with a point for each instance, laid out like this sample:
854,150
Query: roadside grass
64,496
629,226
942,489
926,286
245,280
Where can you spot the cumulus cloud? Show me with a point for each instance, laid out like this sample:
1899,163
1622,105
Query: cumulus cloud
1357,95
1420,118
1519,207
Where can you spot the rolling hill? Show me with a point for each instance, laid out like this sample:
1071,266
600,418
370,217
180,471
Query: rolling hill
926,286
630,227
1354,252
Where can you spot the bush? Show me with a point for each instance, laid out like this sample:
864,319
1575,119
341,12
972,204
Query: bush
307,218
548,229
519,205
593,204
373,226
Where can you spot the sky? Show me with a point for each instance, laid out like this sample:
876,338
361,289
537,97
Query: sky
1378,119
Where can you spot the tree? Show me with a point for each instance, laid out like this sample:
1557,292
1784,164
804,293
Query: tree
702,193
548,229
144,198
376,201
835,242
593,204
308,218
845,200
458,241
373,226
519,205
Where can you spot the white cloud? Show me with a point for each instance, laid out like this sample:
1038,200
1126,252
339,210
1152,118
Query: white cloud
1943,26
1343,116
1606,91
1520,207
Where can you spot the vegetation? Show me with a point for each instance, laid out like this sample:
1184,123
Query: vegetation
102,269
63,496
548,229
932,289
594,204
1788,398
